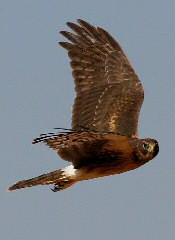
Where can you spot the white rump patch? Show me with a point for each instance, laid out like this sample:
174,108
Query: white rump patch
69,171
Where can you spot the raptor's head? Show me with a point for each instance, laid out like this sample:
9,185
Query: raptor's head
146,149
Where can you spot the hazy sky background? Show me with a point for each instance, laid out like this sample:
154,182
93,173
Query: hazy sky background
36,95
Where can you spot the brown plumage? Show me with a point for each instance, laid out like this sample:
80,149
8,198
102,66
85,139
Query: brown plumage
104,136
109,93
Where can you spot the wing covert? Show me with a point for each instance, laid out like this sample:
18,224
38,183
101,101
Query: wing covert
84,148
109,94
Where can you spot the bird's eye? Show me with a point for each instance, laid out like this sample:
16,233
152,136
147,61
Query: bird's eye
145,146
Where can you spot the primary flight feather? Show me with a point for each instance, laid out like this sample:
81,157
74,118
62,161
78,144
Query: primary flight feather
104,136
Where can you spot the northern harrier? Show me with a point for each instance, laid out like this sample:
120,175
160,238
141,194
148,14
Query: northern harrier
104,136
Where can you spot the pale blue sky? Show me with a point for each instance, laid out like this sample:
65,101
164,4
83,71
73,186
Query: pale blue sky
36,95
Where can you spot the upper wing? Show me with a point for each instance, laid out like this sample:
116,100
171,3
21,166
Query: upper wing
109,94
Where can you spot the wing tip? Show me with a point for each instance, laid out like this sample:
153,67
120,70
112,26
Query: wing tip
9,189
79,20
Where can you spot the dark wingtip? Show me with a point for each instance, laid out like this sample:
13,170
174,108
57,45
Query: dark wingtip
69,24
34,141
65,45
39,139
82,22
11,188
62,32
79,20
61,43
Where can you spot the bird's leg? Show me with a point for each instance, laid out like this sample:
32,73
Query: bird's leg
62,185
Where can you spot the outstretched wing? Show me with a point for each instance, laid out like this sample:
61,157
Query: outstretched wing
75,147
109,94
83,148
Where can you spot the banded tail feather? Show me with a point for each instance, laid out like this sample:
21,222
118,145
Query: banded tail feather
61,179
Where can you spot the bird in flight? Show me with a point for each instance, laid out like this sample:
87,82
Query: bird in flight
103,139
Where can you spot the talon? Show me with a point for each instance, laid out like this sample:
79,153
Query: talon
58,187
62,185
53,190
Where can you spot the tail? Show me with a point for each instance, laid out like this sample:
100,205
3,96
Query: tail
57,177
